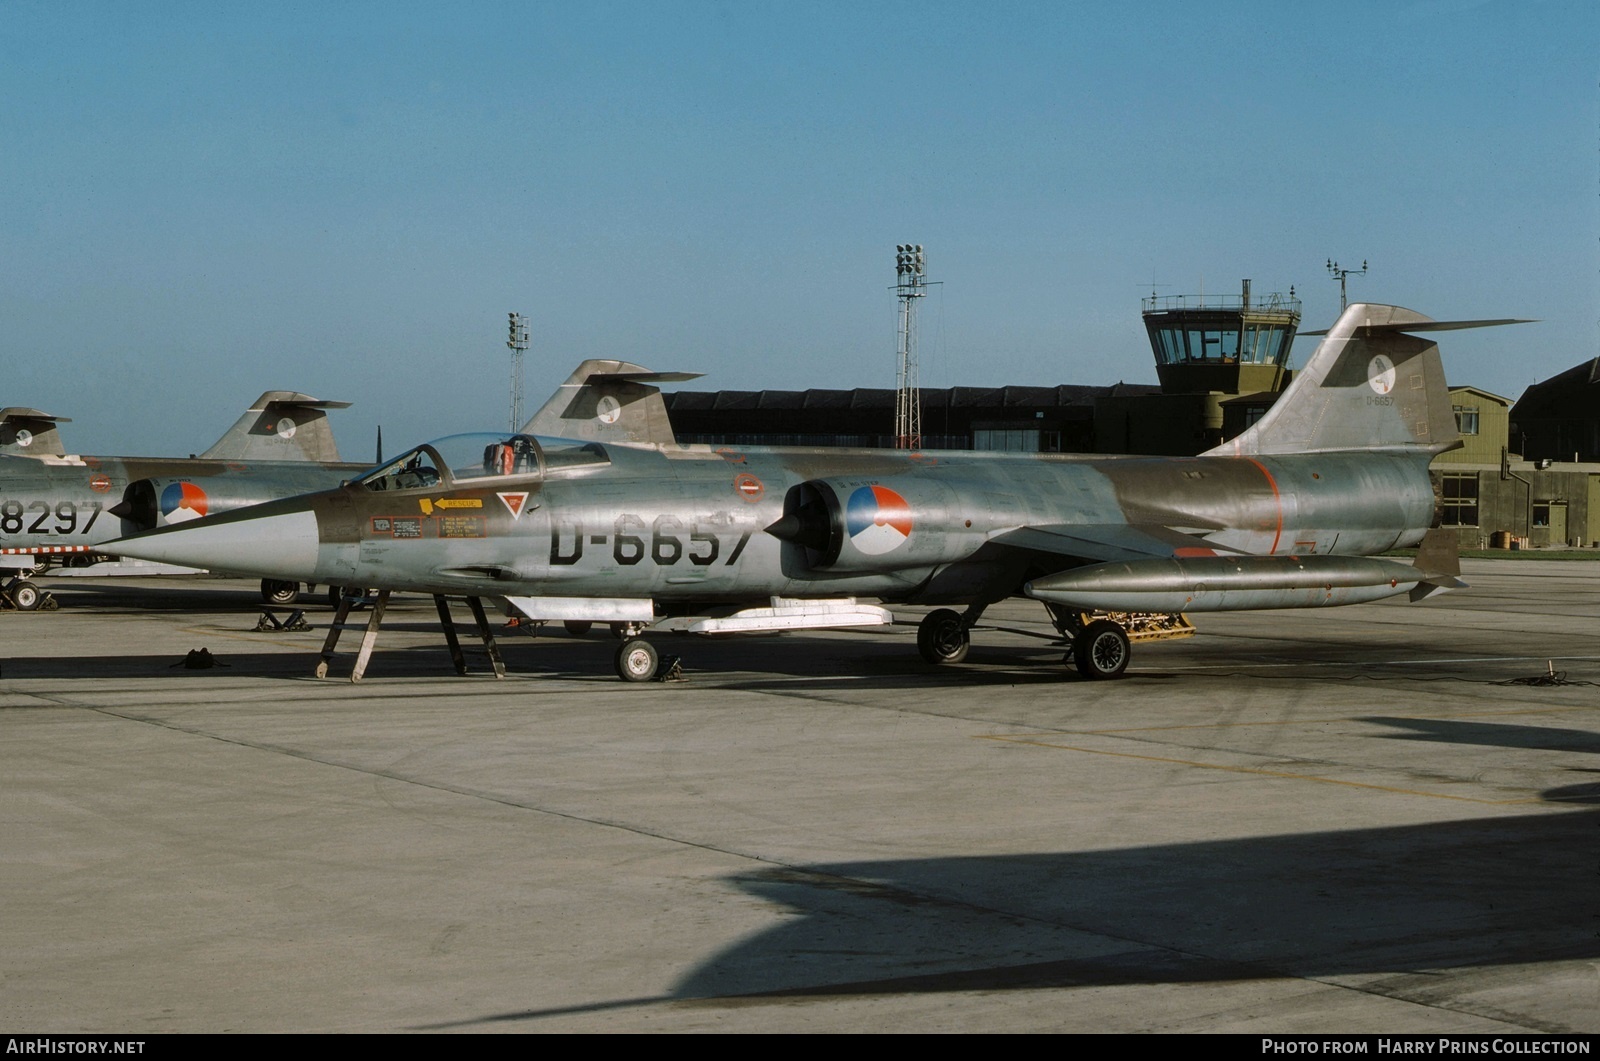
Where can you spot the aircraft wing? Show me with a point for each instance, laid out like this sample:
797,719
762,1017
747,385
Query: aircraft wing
1110,542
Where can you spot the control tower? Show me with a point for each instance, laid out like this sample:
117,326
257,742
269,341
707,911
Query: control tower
1227,344
1221,360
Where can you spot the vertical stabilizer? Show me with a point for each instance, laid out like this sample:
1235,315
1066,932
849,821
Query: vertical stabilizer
31,433
280,426
609,401
1369,385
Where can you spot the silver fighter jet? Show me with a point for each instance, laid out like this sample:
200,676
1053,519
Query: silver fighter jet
617,523
60,508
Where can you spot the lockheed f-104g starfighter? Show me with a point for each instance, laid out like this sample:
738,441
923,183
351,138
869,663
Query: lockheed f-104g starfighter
618,524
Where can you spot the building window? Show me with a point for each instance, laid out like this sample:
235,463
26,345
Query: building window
1459,497
1467,419
1017,440
1541,513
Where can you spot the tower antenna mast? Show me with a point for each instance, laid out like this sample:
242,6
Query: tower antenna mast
910,284
1340,274
518,343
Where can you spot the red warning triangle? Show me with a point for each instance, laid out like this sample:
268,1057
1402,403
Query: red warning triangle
515,503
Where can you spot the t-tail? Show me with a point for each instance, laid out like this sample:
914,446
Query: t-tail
1370,385
281,426
31,433
609,401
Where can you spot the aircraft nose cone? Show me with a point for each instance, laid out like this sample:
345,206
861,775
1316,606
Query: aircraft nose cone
282,545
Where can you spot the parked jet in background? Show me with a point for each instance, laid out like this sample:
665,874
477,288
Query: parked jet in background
31,433
57,508
621,525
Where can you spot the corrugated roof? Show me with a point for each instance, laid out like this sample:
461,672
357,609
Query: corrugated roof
1009,397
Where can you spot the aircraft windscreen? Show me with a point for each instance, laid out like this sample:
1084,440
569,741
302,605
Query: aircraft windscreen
409,471
562,454
482,456
460,459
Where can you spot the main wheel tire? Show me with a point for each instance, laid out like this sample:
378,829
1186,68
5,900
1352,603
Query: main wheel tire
942,637
577,627
1101,651
25,596
279,592
636,661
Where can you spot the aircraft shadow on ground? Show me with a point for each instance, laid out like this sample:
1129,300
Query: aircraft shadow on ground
1367,901
860,662
150,595
1447,895
1491,734
1405,905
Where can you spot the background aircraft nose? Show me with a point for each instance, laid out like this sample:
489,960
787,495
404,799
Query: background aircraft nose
281,545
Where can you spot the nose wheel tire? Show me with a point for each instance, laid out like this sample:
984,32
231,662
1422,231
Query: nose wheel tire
942,637
1101,651
281,593
25,596
636,661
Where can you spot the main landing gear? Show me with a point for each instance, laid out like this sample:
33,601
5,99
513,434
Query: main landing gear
1101,650
942,637
1099,644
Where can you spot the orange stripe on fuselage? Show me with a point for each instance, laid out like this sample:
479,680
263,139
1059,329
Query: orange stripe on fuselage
1277,501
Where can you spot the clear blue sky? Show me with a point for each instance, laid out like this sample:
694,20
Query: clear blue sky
202,201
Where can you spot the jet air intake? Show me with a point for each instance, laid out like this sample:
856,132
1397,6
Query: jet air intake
870,525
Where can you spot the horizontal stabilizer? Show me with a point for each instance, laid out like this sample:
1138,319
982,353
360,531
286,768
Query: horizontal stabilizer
1432,326
643,377
281,426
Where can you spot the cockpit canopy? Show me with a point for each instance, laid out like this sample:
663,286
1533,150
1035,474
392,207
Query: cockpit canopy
462,460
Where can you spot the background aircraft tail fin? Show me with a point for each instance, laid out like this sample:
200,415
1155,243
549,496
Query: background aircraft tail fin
30,432
280,426
1369,385
609,401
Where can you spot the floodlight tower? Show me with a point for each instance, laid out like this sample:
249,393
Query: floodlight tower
1335,271
518,343
910,285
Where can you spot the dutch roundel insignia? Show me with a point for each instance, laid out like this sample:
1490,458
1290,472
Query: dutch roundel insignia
877,520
